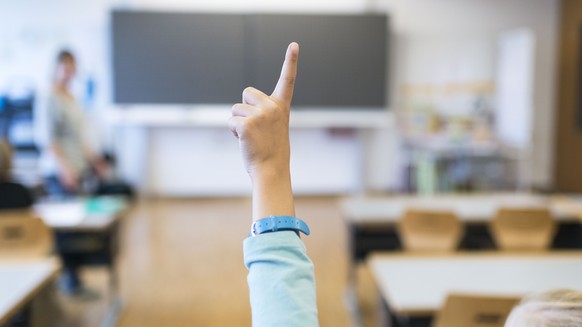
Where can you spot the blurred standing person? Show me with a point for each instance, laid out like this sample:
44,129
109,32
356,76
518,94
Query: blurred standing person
67,157
68,160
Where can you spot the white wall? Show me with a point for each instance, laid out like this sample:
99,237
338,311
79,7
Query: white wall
322,162
33,31
456,40
428,36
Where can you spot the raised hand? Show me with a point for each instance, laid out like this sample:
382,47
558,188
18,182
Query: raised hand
261,123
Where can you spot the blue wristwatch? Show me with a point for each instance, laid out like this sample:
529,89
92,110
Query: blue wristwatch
278,223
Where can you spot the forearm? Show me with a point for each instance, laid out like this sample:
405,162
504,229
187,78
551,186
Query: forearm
281,278
272,193
64,165
89,155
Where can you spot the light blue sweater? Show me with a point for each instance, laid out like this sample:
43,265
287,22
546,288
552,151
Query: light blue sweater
281,281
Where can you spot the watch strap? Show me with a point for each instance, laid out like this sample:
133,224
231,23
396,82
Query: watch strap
279,223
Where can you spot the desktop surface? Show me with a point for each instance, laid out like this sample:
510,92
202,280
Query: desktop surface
419,283
21,280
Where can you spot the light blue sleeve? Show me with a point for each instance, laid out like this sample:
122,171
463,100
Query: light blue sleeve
281,281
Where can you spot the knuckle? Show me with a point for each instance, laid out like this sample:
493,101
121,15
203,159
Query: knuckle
289,80
248,90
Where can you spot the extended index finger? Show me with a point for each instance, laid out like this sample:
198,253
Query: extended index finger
286,83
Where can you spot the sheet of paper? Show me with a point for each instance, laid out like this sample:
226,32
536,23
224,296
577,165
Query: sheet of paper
61,214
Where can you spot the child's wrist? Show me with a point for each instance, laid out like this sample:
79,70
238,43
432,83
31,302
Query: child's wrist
272,195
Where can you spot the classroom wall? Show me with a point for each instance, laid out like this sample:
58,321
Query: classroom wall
31,34
434,40
323,161
155,157
455,41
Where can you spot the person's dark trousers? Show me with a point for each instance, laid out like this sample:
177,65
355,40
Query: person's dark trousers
70,282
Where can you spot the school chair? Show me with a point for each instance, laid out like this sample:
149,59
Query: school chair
426,230
523,228
22,235
464,310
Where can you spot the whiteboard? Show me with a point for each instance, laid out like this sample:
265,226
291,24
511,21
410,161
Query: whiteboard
514,88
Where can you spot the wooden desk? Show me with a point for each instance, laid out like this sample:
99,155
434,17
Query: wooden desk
82,215
469,208
416,285
371,220
21,281
88,230
85,228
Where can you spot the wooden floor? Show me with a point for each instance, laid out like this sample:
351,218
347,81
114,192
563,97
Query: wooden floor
181,265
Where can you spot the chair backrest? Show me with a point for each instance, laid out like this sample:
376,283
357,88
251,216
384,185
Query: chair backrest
475,311
523,229
424,230
23,235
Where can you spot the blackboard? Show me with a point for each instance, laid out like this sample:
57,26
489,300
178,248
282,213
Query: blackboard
204,58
